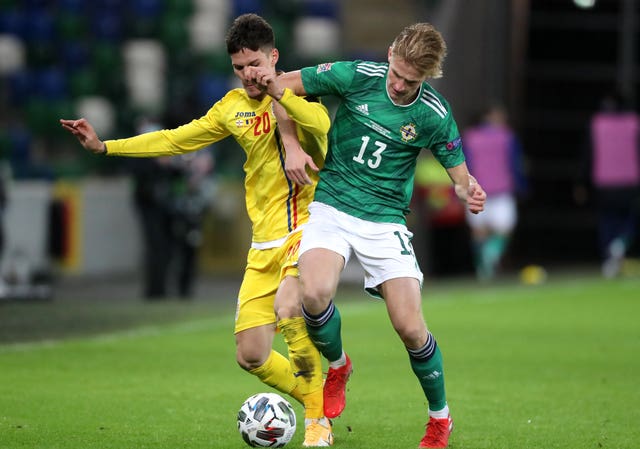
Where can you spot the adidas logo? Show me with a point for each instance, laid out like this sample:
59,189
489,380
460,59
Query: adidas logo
433,376
363,109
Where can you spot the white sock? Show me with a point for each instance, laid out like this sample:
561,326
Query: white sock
342,361
440,413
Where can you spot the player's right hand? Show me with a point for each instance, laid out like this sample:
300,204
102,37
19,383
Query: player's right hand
295,166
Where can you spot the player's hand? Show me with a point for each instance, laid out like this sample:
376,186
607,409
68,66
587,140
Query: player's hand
265,78
476,197
295,166
85,134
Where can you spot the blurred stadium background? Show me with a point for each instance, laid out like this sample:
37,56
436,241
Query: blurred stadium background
114,61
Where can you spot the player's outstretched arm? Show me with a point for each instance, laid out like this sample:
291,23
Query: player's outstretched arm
85,134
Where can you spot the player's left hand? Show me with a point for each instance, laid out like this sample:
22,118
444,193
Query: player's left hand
265,78
476,197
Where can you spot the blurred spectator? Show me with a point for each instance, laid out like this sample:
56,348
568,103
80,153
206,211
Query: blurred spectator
171,195
612,166
494,155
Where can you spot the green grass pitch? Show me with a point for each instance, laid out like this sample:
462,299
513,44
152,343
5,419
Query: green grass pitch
549,366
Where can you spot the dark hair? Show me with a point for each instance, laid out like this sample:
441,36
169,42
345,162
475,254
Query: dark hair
249,31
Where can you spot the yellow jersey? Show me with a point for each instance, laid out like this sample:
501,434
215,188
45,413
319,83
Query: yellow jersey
275,205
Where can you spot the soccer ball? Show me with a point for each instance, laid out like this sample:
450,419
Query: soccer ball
266,420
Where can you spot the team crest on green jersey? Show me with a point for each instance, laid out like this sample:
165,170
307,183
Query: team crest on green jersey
408,132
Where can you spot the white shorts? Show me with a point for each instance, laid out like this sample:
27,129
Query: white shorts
383,249
500,214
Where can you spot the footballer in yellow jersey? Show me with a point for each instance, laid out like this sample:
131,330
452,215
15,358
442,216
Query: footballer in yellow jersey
269,296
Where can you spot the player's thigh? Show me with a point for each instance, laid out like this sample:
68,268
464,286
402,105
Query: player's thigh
324,251
255,304
320,270
505,215
289,294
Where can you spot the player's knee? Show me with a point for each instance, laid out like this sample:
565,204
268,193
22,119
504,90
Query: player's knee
412,336
316,297
249,360
284,311
289,308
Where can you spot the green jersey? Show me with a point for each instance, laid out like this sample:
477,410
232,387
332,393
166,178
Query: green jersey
374,143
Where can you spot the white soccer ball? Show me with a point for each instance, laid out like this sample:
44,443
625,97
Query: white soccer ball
266,420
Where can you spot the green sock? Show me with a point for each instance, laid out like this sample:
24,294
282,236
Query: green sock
480,260
430,373
495,248
324,330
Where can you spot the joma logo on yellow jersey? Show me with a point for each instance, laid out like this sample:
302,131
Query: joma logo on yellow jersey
241,114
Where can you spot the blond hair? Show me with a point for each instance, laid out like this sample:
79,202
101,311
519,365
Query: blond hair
421,46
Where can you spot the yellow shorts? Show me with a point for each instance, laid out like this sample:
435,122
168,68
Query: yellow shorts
266,268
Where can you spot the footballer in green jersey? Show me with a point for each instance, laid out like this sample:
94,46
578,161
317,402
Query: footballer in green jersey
374,142
388,114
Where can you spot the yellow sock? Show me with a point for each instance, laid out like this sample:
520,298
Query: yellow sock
306,365
276,372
